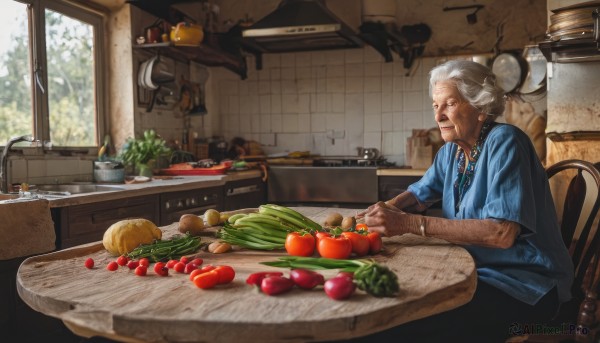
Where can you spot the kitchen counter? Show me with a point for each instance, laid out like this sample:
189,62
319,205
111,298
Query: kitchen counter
400,172
156,186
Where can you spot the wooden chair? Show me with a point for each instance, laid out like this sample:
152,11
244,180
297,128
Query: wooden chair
581,237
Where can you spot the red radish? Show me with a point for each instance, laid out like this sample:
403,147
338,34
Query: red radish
339,287
306,279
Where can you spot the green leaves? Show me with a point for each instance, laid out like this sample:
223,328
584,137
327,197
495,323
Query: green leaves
142,150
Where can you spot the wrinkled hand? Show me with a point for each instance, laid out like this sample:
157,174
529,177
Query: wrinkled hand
386,219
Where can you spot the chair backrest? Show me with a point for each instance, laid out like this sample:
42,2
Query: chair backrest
580,235
582,238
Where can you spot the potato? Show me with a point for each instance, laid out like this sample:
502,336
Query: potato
212,217
333,219
348,223
219,247
191,223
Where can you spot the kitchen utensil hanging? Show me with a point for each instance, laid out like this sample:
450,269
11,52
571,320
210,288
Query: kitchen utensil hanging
510,70
536,70
154,73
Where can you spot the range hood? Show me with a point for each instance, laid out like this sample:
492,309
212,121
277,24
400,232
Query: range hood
300,25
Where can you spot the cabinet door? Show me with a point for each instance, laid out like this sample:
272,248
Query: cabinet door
390,186
87,223
247,193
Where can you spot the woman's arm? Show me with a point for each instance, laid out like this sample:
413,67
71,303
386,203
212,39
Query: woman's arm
491,233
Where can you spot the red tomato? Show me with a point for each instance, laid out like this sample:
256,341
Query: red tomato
122,260
144,262
161,269
179,267
189,268
360,243
320,235
89,263
202,270
335,247
206,280
171,264
141,270
132,264
361,226
112,266
184,259
226,274
375,242
300,244
197,261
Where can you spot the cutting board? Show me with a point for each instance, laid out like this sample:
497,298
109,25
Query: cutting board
187,169
434,276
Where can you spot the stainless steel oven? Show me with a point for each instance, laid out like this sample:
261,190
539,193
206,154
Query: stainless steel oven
331,186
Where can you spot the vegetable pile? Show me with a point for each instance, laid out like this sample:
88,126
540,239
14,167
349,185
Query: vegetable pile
369,276
265,230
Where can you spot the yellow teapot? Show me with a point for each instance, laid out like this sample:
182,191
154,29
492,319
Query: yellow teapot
187,34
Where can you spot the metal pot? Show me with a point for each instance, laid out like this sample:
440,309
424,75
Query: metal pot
368,153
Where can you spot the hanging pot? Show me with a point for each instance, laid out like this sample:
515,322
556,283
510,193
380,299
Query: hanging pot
536,70
510,70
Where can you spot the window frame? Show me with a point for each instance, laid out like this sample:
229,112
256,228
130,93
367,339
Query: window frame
38,67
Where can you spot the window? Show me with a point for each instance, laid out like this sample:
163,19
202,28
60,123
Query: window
51,61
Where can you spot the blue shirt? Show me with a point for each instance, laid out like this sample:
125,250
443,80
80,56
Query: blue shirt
509,183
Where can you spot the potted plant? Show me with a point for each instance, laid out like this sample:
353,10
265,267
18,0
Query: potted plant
141,154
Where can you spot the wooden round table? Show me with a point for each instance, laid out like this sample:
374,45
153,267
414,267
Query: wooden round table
434,276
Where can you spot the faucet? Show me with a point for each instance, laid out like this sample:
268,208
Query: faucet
4,160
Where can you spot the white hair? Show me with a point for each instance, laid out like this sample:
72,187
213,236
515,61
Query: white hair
475,82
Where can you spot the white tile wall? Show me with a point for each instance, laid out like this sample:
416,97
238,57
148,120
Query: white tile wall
297,99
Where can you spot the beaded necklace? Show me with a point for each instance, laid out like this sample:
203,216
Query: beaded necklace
466,165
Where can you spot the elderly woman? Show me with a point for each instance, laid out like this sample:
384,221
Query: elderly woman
496,202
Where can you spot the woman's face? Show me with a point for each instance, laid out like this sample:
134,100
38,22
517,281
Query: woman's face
459,122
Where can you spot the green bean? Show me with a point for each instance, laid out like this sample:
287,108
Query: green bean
162,250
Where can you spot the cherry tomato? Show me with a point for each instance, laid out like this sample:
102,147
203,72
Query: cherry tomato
360,243
300,244
206,280
202,270
189,268
141,270
179,267
375,242
197,262
306,279
339,287
112,266
361,226
144,262
184,259
161,269
226,274
132,264
122,260
335,247
171,264
273,285
255,279
89,263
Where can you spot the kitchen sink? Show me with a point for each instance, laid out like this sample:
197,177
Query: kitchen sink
69,189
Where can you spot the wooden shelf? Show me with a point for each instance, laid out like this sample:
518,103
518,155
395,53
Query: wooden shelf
216,50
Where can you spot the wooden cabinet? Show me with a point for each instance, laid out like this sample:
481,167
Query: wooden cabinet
248,193
86,223
216,49
196,201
